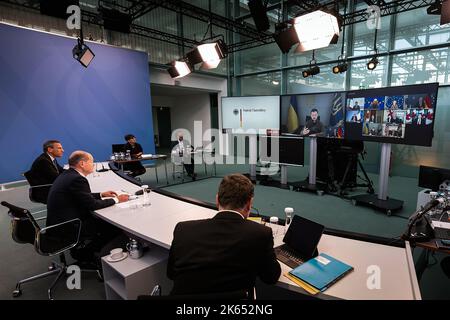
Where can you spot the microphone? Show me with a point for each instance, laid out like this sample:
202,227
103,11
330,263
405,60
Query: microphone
415,217
103,169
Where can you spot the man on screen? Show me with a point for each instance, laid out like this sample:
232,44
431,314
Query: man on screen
395,119
313,124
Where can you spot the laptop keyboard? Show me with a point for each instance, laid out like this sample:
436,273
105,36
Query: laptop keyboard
288,257
441,233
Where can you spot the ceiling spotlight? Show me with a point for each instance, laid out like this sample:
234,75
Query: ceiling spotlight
340,68
316,30
179,69
372,64
311,72
82,53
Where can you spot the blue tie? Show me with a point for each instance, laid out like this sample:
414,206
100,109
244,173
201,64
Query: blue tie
56,165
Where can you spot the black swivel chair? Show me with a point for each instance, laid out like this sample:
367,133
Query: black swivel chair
445,265
37,193
49,241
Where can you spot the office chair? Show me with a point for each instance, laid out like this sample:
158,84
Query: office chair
37,193
156,294
445,265
49,241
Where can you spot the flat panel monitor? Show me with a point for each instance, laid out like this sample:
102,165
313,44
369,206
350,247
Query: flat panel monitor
316,114
291,150
118,148
400,115
432,177
258,113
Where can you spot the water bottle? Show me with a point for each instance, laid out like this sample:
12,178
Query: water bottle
145,196
288,217
128,155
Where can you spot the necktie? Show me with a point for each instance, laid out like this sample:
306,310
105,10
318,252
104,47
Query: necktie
55,164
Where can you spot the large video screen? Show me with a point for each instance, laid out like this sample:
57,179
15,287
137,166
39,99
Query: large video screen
318,114
400,115
260,113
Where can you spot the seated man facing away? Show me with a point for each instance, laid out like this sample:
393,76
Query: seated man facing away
227,252
136,152
45,169
70,197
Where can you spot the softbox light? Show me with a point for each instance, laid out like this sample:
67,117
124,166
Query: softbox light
316,30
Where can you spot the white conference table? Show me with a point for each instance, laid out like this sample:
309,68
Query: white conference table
156,223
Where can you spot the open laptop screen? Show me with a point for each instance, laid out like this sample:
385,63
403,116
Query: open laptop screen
303,236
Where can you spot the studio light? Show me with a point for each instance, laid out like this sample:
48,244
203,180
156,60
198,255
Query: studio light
82,53
316,30
372,64
285,37
340,68
435,8
179,69
209,54
311,71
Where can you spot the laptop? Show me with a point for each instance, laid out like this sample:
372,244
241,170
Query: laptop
118,148
300,242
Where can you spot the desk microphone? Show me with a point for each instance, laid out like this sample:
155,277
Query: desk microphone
430,205
103,169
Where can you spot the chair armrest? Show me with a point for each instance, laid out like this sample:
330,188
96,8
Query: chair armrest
41,186
55,239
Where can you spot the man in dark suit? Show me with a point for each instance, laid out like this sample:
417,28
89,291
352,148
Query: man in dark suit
136,152
183,148
70,197
45,169
224,253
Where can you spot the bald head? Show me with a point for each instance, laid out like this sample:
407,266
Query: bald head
82,161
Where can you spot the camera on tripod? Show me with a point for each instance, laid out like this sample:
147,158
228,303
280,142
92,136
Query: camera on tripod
337,165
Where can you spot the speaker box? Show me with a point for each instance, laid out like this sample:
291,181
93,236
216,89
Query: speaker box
285,39
56,8
259,14
445,12
115,20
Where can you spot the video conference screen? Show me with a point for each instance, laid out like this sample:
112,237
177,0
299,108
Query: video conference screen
399,115
259,113
318,114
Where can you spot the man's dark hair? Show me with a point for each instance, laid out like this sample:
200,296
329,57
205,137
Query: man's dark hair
235,191
49,144
77,157
129,136
314,110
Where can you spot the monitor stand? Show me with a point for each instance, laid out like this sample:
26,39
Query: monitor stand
311,185
381,201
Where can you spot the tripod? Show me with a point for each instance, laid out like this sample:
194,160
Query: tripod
354,157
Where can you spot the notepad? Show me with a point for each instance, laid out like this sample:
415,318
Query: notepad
321,272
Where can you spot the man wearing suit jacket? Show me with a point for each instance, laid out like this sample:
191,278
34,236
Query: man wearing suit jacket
70,197
183,147
224,253
45,169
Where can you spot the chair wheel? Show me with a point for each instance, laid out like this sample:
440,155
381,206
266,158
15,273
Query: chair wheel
389,213
17,293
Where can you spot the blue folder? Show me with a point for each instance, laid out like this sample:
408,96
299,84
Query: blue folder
322,271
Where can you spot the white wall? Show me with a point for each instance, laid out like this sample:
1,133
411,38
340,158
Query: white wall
186,109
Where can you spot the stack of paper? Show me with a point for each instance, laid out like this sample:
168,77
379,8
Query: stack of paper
318,274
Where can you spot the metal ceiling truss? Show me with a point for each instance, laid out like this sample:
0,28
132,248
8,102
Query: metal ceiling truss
254,38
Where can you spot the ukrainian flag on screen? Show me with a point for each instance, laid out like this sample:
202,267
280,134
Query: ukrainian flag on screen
292,120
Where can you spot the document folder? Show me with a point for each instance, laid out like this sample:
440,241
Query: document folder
321,272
